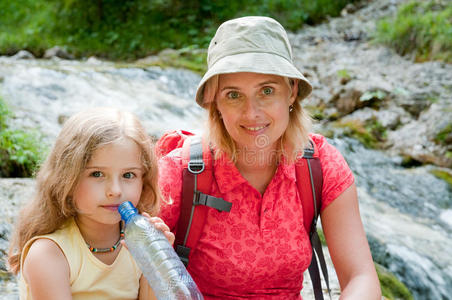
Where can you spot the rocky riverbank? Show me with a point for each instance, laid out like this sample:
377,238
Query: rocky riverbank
360,89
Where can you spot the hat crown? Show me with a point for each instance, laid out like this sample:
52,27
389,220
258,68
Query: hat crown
249,35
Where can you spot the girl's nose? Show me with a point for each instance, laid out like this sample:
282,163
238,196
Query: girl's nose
113,189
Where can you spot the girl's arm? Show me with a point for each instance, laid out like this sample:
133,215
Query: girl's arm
145,292
348,247
46,271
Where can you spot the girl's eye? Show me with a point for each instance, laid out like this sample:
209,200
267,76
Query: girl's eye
267,90
233,95
129,175
96,174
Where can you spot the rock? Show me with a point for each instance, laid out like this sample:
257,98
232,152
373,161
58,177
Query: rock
23,54
57,52
94,60
389,118
62,119
148,60
357,94
14,192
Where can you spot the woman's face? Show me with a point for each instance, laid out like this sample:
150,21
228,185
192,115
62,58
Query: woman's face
255,108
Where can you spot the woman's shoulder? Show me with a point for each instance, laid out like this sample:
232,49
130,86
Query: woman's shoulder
321,144
327,153
337,175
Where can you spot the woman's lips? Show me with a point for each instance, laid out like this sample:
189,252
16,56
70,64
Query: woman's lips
255,129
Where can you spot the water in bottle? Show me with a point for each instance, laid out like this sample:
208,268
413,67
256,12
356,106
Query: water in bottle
156,257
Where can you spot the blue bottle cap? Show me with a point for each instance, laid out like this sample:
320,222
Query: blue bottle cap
127,210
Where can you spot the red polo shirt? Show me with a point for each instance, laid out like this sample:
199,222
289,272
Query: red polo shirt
260,248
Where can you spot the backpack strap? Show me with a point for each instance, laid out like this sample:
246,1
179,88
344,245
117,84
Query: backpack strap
310,191
197,178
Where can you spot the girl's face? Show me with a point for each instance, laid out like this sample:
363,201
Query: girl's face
255,108
113,175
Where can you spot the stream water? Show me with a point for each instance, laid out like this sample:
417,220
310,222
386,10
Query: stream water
406,212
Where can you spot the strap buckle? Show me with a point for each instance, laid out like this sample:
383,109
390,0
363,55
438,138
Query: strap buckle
308,153
218,203
195,167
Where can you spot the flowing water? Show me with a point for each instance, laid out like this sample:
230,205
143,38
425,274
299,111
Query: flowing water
406,212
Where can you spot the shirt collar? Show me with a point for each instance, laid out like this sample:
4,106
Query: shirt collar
228,176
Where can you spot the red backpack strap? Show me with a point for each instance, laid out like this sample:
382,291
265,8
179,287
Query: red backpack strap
197,181
310,190
309,182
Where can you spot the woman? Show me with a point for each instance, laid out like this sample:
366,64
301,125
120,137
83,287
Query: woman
257,129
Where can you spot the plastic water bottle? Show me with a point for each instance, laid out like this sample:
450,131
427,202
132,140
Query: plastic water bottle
156,257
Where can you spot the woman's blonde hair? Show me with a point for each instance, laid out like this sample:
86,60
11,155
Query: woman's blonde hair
80,137
291,144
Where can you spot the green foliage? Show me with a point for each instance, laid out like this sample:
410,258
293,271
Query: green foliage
370,133
128,29
344,74
420,27
372,95
316,112
20,151
391,287
26,25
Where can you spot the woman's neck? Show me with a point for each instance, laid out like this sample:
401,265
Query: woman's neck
258,167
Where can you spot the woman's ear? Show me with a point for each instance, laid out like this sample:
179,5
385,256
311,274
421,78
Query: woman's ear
294,88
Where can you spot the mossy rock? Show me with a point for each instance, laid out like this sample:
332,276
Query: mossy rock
370,133
444,136
391,287
444,175
187,58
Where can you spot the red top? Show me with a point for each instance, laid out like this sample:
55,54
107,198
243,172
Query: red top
260,248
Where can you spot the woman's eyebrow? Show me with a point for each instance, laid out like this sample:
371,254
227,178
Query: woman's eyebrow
229,88
265,83
257,85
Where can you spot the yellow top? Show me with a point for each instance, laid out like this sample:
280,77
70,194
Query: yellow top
90,278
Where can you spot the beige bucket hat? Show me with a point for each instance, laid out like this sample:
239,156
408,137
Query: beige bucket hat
251,44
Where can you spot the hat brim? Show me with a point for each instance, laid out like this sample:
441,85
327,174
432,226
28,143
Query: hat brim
254,62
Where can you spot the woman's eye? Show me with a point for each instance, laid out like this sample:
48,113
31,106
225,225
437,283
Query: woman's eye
233,95
129,175
267,90
96,174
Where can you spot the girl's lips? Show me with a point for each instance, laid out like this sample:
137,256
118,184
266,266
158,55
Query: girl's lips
111,207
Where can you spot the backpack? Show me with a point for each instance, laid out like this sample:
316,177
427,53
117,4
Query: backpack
197,159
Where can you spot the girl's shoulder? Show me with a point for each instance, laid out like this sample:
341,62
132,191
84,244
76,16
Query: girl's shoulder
45,268
49,246
43,253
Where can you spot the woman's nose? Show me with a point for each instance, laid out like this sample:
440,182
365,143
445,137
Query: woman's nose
251,108
114,188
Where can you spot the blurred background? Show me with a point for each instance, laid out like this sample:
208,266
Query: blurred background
382,78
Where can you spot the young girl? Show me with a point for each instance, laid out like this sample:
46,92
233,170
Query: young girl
67,244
